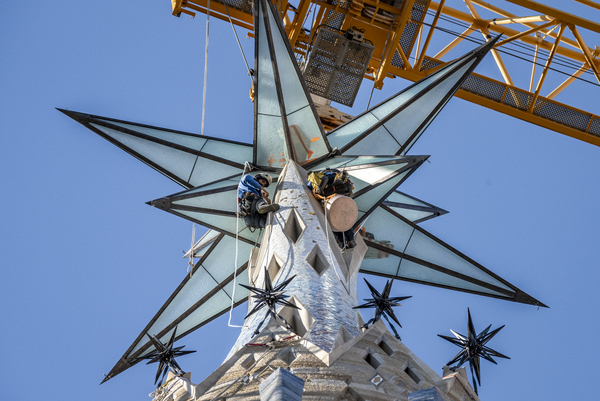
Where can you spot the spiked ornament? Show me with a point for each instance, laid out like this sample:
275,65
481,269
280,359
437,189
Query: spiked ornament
270,297
473,345
165,355
383,305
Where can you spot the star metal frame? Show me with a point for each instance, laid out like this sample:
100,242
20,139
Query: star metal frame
270,297
165,355
474,347
383,305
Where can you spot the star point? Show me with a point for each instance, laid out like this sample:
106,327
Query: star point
270,297
474,347
383,305
165,355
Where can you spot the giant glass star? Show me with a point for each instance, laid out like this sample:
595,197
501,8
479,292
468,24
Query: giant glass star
270,297
473,347
372,148
383,305
165,355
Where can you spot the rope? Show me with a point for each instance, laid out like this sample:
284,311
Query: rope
190,267
247,167
250,74
205,67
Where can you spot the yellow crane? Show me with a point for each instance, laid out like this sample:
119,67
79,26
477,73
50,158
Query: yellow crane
345,42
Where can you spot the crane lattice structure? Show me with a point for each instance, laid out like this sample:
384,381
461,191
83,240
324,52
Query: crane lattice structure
345,42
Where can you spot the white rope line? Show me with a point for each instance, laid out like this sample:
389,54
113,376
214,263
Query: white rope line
205,67
191,261
247,166
329,245
237,229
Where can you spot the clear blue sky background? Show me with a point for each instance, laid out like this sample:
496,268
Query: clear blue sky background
85,263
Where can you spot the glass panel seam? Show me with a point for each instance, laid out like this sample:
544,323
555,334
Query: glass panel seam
446,271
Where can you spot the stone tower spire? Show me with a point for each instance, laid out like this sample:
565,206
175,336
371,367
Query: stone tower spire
299,242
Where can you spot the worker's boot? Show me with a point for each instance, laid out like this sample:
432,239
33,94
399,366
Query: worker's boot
266,208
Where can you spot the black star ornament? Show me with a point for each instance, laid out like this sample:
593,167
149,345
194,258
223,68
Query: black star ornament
270,297
473,347
383,305
165,355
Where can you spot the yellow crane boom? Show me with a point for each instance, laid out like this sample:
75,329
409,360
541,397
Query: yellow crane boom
397,36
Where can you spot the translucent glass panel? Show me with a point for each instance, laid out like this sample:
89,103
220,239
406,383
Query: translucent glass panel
399,197
182,166
412,208
206,170
400,236
415,216
213,307
342,162
217,267
294,96
229,182
340,137
379,142
419,102
285,115
234,151
369,199
365,171
407,122
189,141
307,139
226,224
413,271
217,198
229,151
226,201
270,137
362,178
424,247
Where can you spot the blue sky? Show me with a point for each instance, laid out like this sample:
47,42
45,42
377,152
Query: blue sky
86,263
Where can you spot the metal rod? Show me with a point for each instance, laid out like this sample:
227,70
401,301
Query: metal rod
429,35
568,81
586,51
545,72
455,42
525,33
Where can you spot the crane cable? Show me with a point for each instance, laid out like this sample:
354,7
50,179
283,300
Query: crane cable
563,62
250,72
205,66
380,64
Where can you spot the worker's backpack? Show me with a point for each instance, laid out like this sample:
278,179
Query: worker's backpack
339,183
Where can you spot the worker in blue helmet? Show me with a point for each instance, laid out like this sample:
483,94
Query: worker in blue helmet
254,199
